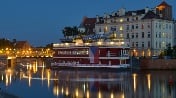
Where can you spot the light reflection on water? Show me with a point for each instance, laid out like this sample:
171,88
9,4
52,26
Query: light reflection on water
32,81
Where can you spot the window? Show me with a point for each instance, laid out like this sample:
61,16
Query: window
121,35
136,44
159,44
136,18
99,29
132,36
142,34
136,26
127,19
148,44
166,26
160,26
148,34
136,35
121,20
111,21
156,25
163,26
132,26
105,29
133,44
142,44
156,35
132,19
142,27
159,34
156,44
148,25
128,35
170,26
127,27
121,28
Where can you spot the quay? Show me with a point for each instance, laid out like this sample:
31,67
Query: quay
158,64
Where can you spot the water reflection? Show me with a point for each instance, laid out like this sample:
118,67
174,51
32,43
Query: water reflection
87,84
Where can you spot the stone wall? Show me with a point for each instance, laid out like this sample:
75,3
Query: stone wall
158,63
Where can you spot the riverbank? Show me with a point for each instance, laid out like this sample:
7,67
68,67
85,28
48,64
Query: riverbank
158,64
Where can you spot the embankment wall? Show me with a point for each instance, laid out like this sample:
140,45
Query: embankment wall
158,64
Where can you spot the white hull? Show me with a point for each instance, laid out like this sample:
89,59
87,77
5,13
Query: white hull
89,65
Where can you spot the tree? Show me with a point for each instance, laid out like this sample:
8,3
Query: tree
67,31
169,50
5,43
50,46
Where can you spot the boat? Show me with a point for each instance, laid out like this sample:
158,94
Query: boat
98,51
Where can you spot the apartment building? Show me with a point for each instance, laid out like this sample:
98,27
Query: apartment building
149,31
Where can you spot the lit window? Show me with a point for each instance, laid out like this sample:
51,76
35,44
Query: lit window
121,28
121,20
121,35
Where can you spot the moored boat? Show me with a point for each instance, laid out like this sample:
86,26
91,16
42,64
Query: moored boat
104,52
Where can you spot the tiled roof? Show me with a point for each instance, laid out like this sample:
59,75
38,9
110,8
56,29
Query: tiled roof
88,24
163,4
22,44
89,21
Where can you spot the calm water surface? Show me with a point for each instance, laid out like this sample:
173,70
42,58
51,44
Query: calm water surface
31,81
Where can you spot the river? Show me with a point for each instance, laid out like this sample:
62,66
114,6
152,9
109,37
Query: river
34,80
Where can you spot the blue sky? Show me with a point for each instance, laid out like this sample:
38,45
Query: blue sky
41,21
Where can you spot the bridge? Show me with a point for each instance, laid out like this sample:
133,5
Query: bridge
16,53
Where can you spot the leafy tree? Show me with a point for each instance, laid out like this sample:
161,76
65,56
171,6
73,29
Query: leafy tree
67,31
70,31
5,43
168,51
50,46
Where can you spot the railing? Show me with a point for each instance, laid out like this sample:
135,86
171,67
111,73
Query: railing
120,43
26,53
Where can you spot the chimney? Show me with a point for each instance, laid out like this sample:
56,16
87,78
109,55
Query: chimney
105,15
146,9
97,18
122,12
133,13
113,13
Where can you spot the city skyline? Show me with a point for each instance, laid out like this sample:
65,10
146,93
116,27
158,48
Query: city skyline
41,21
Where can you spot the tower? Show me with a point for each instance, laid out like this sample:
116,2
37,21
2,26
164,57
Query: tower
164,10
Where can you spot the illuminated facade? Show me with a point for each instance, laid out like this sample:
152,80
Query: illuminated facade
149,31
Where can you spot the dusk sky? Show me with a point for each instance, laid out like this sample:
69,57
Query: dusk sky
41,21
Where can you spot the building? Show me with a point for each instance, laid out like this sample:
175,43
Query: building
87,25
174,32
149,31
22,45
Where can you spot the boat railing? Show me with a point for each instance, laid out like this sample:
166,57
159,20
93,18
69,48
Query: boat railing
93,65
120,44
73,64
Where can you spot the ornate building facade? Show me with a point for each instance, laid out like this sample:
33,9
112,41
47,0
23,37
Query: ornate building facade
149,31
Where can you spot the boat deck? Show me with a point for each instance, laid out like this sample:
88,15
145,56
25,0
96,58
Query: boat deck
61,66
